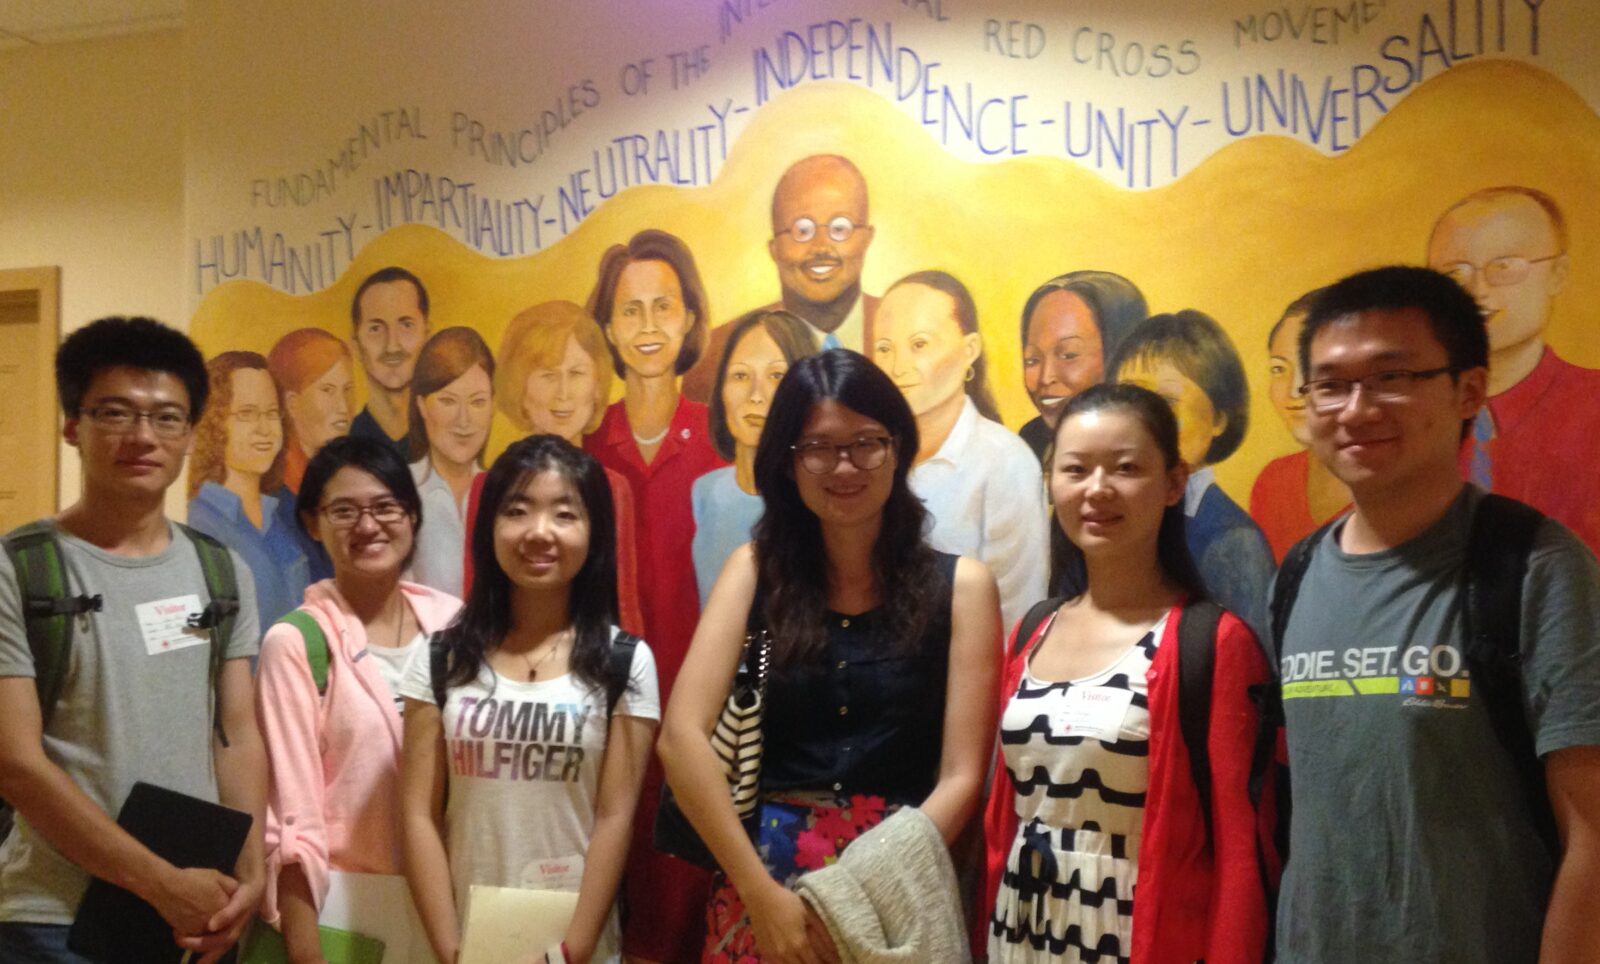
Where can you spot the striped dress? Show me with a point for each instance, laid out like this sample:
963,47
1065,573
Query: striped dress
1067,890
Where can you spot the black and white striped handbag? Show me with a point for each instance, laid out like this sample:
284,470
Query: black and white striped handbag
736,738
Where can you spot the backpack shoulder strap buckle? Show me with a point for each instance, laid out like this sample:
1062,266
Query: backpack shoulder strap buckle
216,611
48,607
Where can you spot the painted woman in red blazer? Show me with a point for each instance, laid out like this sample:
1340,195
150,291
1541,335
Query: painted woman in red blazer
1094,788
651,305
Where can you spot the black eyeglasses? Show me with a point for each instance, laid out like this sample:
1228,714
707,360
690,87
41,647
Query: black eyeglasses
866,454
167,423
1332,394
345,515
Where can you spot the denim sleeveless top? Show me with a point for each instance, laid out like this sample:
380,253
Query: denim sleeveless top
863,720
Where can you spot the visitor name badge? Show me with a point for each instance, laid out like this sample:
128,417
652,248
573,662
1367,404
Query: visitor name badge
557,873
1091,711
165,624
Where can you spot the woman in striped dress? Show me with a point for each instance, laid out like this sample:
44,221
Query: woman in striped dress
1099,849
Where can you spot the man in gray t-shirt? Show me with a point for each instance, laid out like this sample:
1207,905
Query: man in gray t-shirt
137,700
1413,837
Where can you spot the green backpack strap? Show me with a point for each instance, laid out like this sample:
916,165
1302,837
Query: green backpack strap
220,614
47,607
316,646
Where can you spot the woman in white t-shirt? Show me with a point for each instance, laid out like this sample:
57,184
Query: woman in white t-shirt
327,687
529,724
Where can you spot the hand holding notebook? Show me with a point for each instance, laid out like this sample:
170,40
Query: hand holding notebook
204,838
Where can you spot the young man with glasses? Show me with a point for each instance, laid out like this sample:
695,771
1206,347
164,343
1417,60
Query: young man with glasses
138,701
1415,836
1537,439
820,235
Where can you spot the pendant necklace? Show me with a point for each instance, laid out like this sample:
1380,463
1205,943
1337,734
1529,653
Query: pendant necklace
535,665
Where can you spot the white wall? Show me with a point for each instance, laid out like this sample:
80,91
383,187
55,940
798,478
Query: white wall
91,179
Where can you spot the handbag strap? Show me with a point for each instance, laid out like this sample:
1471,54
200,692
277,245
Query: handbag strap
758,653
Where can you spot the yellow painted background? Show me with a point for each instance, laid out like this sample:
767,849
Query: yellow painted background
1248,230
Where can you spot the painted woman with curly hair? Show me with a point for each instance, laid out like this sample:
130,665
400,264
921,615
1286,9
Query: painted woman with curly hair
238,458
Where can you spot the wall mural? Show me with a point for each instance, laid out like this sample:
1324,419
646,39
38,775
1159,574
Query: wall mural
864,182
627,242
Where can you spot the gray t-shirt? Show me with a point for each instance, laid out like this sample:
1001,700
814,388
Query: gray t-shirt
136,703
1411,837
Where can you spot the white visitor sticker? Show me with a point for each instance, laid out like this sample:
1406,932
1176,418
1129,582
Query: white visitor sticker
165,624
560,873
1091,711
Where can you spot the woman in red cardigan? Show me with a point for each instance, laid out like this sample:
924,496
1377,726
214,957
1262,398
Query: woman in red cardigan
1096,791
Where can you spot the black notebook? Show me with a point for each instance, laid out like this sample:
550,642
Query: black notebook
113,924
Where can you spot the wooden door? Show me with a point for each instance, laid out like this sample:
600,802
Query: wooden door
30,327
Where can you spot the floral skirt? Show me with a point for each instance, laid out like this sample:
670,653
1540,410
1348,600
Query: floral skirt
799,832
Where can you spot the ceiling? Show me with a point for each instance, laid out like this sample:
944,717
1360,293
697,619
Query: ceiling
25,23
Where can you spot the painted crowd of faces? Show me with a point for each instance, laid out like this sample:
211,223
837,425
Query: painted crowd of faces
684,482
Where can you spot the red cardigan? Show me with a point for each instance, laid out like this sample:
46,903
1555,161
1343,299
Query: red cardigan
1189,904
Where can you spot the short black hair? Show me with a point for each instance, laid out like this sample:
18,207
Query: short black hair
136,342
1453,315
385,276
378,459
1199,348
1298,308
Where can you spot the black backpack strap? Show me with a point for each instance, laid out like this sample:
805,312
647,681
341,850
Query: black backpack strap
220,613
1033,618
1286,586
619,667
1285,589
438,667
1501,540
47,607
1197,659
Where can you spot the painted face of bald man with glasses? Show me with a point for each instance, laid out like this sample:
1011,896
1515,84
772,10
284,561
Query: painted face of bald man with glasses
1508,247
820,238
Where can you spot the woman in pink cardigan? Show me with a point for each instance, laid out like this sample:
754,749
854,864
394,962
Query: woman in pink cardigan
326,687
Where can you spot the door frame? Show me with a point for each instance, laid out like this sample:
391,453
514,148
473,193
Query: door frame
42,286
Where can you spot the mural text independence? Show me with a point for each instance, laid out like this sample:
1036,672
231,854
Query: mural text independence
1135,148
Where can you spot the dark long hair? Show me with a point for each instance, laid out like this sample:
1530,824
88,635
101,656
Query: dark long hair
1068,574
486,618
965,312
793,338
1115,304
790,559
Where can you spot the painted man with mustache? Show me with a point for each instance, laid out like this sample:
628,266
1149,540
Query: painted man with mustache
1538,438
389,323
819,243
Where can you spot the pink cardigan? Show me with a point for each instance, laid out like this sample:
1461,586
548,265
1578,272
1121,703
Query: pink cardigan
335,761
